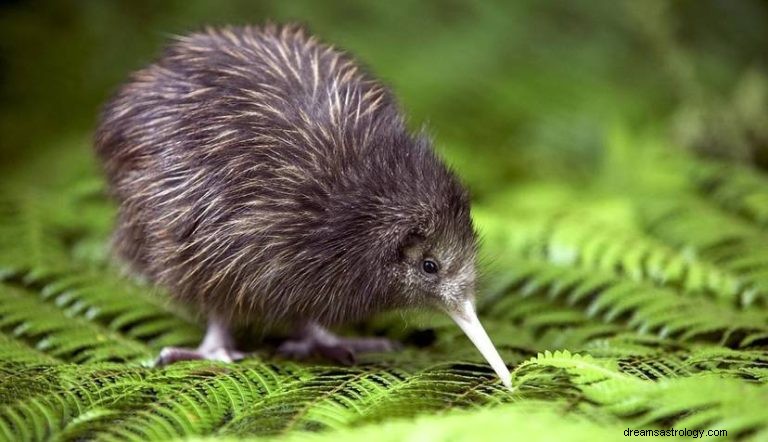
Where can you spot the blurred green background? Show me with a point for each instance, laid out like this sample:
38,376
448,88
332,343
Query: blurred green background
510,89
625,255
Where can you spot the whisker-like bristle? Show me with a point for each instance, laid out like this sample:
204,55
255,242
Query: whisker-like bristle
263,173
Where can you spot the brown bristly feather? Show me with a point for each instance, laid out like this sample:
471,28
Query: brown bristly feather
263,174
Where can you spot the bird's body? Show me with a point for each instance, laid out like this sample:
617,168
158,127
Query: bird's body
262,175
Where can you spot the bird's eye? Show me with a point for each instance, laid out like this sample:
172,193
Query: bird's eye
429,266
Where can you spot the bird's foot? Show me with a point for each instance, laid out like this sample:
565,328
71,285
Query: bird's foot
169,355
315,340
217,345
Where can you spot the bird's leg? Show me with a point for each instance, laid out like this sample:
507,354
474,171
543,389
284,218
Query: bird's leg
217,345
312,339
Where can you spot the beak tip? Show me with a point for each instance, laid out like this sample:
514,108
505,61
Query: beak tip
466,318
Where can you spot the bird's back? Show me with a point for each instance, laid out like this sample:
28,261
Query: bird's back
227,154
222,96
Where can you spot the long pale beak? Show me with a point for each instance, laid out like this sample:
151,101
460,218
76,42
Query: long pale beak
466,318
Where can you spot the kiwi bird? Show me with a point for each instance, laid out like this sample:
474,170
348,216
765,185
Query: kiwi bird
264,176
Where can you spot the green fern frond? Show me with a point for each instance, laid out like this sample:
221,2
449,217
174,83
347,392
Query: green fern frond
737,189
574,240
536,421
704,401
636,306
657,304
735,246
116,304
60,334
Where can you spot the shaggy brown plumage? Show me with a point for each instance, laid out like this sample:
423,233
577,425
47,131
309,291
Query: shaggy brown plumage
264,175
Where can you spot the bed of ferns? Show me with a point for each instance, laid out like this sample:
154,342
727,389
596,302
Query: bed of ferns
624,276
643,307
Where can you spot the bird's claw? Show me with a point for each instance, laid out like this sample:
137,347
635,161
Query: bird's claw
169,355
317,341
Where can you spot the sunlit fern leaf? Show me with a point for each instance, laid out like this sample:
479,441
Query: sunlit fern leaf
704,401
599,380
48,329
13,350
60,394
461,385
574,240
655,367
732,244
115,304
26,236
537,420
708,402
338,398
737,189
203,399
640,307
748,364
